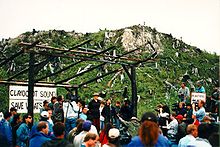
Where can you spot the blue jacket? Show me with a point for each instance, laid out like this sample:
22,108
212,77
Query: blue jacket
200,89
38,139
5,132
23,133
161,142
34,129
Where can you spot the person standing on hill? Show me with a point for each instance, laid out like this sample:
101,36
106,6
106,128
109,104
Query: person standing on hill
126,111
109,112
94,114
117,110
200,88
183,92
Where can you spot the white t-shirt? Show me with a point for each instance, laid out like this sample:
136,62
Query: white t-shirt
101,117
70,110
199,142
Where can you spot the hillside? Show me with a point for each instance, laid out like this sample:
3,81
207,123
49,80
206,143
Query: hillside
157,81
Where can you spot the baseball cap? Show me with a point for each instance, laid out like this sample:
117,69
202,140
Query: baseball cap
86,125
113,133
180,117
150,116
44,114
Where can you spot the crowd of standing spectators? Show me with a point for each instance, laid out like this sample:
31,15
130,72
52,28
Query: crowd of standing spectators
65,122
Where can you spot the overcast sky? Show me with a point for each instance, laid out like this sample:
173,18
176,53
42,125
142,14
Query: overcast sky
196,21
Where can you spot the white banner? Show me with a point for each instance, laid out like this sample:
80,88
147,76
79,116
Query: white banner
18,97
195,97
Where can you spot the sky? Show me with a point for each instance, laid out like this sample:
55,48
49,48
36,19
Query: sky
196,22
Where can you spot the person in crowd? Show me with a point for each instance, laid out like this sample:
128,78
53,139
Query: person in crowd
75,131
15,125
166,109
200,114
148,133
203,135
83,115
6,131
58,140
163,117
23,132
90,140
132,126
109,112
102,118
13,111
104,133
117,106
94,114
78,140
181,132
200,88
81,104
41,136
189,113
113,138
52,101
163,111
172,128
161,141
58,114
181,110
192,133
117,110
70,109
44,116
214,100
50,113
126,110
183,92
45,106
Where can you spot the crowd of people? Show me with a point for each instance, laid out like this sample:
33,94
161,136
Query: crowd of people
73,122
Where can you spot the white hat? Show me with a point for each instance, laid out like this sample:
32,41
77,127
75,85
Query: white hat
44,114
96,94
113,133
134,118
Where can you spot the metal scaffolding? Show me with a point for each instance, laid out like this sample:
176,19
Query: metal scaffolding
81,54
